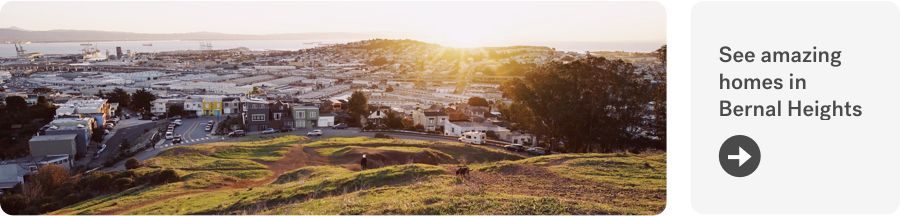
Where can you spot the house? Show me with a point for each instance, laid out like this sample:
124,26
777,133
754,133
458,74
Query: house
281,114
256,115
376,117
81,127
457,128
96,108
306,116
433,121
159,106
333,104
62,144
194,105
326,119
113,107
231,106
212,106
175,102
475,111
13,172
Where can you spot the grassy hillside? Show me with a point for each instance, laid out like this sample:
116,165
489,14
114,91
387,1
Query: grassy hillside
291,175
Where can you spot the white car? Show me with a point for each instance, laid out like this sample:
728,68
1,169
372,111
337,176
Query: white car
170,135
314,133
178,122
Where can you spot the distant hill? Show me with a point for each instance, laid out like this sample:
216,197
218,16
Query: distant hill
19,34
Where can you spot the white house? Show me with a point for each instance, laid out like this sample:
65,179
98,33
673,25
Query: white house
158,106
457,128
326,120
194,105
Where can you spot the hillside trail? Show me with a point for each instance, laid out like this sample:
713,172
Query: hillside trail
298,157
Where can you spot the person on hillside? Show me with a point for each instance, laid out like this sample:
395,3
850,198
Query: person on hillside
362,163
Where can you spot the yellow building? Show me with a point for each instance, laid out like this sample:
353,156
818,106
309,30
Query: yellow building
212,106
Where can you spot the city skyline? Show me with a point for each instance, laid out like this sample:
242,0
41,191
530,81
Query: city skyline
466,24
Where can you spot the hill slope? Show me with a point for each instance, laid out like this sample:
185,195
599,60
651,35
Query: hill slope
290,175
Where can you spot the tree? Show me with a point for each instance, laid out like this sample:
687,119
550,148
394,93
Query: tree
393,120
255,91
132,163
358,106
16,103
389,89
176,110
590,105
118,95
658,96
141,100
50,177
42,90
477,101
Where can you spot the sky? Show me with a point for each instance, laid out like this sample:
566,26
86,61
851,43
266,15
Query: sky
468,23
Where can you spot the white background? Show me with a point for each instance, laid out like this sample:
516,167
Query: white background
808,165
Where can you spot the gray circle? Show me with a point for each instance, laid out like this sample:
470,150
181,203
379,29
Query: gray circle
731,156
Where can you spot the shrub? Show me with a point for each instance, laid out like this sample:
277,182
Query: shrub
411,128
167,176
122,183
109,162
14,204
420,127
132,164
493,135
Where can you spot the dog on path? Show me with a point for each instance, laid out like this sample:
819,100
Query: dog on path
463,172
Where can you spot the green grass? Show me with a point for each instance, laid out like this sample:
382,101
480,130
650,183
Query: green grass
311,173
622,171
254,148
458,151
246,174
197,161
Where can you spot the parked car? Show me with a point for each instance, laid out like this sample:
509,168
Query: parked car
339,126
285,129
268,131
96,155
154,118
177,139
127,116
314,133
170,135
192,115
211,122
208,128
176,117
476,138
538,151
515,147
102,147
177,122
114,119
237,133
110,125
105,132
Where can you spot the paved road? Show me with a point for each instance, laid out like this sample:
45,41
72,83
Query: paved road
130,129
194,130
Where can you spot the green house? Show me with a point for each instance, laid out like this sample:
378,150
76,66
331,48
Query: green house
305,116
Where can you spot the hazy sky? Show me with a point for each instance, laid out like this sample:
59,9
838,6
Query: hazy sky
465,22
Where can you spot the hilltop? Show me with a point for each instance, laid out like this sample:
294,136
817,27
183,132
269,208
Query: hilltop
294,175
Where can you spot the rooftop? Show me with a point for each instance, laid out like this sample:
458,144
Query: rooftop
53,137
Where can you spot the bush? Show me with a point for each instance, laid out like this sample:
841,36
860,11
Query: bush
411,128
420,127
493,135
109,162
381,135
122,183
132,164
14,204
167,176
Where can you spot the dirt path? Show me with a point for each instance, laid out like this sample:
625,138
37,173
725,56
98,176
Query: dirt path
297,158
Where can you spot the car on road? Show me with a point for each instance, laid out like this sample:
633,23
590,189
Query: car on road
339,126
115,119
96,155
515,147
285,129
237,133
268,131
105,132
176,140
110,125
177,122
170,135
208,128
538,151
176,117
102,147
211,122
154,118
476,138
127,116
314,133
192,115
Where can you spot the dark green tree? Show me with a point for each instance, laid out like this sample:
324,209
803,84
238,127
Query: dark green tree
43,90
478,101
590,105
176,110
16,103
141,100
389,89
358,106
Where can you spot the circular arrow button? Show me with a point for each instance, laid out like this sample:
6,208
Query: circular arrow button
739,156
